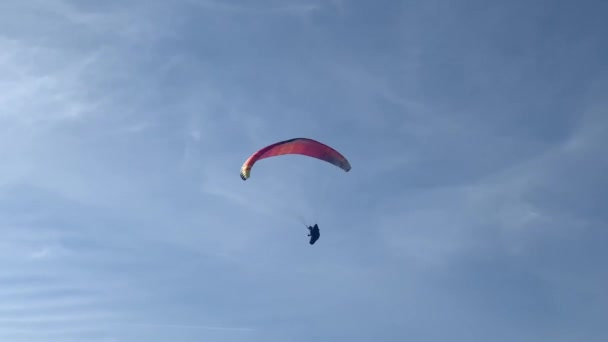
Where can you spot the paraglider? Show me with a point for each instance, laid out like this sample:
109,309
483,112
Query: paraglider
302,146
314,234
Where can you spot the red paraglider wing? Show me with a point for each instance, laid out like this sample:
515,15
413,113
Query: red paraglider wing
303,146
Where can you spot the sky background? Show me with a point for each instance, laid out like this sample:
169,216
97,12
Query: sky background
475,209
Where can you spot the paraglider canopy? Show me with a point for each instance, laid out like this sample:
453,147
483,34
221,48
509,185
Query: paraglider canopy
303,146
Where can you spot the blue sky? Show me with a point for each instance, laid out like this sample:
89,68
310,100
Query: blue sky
475,208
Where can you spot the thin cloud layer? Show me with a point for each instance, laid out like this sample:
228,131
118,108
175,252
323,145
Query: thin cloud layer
473,210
